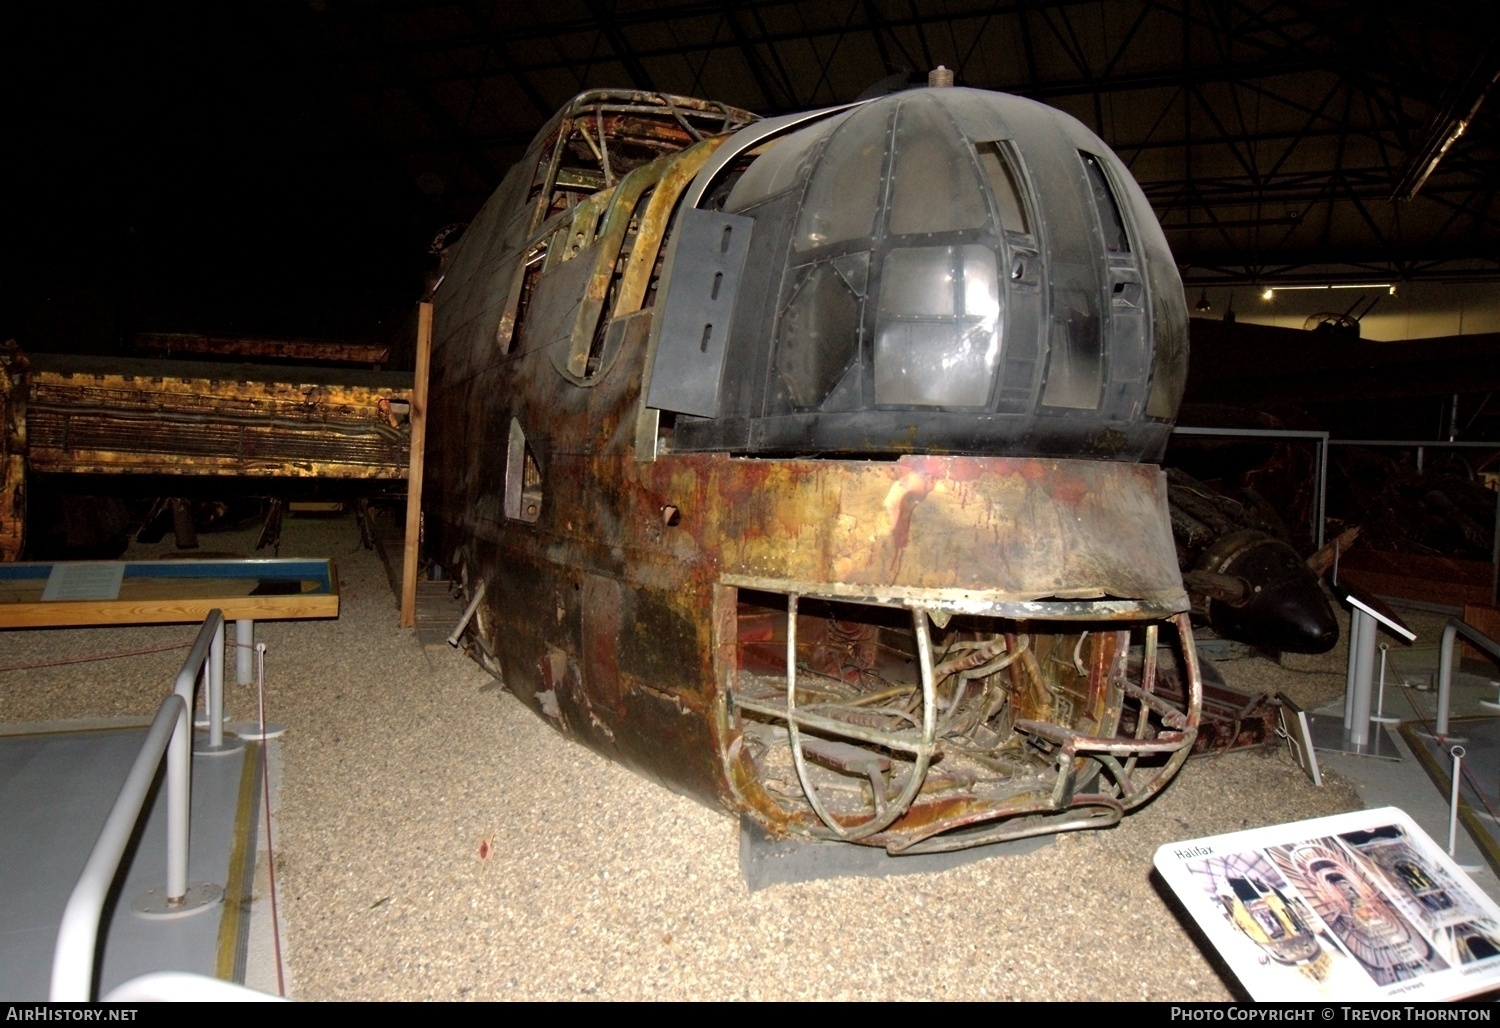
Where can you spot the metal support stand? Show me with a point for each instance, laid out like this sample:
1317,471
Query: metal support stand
1457,753
1366,615
212,676
1380,715
244,651
1479,641
456,636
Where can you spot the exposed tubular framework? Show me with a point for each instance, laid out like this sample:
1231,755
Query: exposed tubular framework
922,750
971,769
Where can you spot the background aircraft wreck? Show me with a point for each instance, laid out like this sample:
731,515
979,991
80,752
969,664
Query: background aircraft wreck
1245,578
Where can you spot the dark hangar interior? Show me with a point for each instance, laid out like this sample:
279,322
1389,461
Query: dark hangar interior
257,180
281,169
281,166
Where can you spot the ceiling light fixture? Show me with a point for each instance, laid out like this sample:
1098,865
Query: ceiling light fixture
1271,291
1203,304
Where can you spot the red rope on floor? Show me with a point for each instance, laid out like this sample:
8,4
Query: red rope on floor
98,656
265,778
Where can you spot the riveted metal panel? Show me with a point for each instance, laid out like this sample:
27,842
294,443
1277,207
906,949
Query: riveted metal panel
706,270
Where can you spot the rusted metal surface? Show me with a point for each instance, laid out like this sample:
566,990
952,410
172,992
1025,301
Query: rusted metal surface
14,373
582,167
666,180
603,135
920,653
114,415
1232,718
988,535
658,650
187,344
72,414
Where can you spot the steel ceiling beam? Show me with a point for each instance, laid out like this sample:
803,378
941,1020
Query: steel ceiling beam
758,71
497,46
606,23
361,21
1251,94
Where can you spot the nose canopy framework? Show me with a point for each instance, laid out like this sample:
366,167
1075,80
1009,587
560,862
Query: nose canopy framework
948,271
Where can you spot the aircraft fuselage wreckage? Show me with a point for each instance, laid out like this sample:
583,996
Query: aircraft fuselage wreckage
799,460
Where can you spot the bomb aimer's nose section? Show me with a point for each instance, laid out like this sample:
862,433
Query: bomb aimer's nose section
937,271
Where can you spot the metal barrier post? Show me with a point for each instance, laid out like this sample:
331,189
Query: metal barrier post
1356,626
216,686
1364,675
78,934
1445,677
1475,638
180,755
244,651
170,734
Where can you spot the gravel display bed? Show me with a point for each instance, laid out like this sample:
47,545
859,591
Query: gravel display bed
439,841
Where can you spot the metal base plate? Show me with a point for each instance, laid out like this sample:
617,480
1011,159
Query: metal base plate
200,897
201,748
1447,740
766,861
250,730
1329,733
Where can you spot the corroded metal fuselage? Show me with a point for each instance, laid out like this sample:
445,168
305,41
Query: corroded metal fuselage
915,646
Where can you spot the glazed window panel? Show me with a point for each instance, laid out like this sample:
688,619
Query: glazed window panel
819,336
843,193
937,340
1005,185
920,282
925,364
1108,208
1169,354
1075,359
934,184
940,281
775,171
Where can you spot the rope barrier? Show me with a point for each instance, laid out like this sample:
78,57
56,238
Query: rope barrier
1466,773
265,778
138,652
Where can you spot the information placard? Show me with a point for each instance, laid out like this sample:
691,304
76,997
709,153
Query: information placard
1357,906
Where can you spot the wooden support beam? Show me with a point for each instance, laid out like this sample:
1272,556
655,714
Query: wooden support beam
414,475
